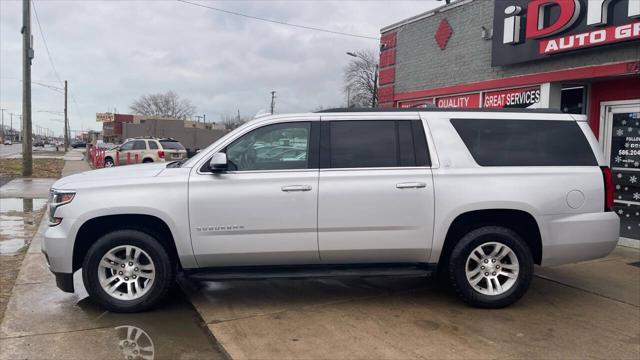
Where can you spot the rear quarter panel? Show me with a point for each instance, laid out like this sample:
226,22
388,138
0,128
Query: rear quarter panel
461,185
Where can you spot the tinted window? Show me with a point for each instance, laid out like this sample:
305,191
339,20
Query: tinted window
272,147
139,145
363,144
525,142
406,148
153,145
171,145
385,143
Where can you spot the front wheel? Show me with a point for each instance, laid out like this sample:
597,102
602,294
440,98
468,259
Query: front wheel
491,267
108,162
127,271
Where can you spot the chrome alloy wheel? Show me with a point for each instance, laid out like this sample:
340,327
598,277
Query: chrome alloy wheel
492,268
126,272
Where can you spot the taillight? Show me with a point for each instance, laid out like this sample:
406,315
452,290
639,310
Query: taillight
608,188
161,154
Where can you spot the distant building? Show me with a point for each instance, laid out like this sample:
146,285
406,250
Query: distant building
193,135
112,125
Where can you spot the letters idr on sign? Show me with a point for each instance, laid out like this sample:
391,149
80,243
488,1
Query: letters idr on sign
527,30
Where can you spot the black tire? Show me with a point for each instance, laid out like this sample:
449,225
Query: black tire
164,276
147,161
108,162
458,263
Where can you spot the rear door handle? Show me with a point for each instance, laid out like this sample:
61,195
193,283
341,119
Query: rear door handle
411,185
290,188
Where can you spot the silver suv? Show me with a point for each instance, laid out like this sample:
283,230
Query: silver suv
478,196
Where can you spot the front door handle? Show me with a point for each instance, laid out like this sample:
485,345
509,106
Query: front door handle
411,185
290,188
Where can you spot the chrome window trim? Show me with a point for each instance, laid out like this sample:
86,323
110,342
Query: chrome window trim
377,168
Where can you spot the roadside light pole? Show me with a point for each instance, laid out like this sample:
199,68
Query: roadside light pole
27,55
375,76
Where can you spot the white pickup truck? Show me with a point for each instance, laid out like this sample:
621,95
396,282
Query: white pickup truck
479,196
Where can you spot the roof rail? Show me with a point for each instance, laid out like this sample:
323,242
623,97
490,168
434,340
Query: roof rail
437,109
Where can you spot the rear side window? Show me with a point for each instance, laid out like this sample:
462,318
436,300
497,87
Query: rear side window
171,145
525,142
153,145
380,143
139,145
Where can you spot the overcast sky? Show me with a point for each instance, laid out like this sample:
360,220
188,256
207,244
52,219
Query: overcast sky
112,52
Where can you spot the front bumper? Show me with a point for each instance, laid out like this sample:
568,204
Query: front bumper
57,245
580,237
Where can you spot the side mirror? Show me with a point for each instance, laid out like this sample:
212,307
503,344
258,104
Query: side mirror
218,163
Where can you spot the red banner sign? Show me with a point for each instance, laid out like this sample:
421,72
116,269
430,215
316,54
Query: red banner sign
512,98
459,101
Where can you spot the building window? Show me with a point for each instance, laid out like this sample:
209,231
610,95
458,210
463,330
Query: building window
572,100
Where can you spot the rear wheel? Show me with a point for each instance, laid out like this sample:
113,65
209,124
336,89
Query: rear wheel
147,161
127,271
491,267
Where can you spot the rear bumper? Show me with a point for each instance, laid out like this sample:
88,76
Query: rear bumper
580,237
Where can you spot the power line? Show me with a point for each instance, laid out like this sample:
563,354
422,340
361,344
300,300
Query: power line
279,22
44,41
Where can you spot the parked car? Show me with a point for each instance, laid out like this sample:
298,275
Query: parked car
79,144
38,143
8,142
477,196
139,150
173,149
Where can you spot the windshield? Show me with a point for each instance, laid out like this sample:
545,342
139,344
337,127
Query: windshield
191,161
171,145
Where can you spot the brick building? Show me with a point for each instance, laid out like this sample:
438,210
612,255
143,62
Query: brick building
192,135
576,56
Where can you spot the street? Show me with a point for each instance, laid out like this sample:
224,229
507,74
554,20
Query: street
8,151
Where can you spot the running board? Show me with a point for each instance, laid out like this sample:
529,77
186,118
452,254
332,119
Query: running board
301,272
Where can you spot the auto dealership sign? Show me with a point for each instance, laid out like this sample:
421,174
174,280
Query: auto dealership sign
459,101
512,98
527,30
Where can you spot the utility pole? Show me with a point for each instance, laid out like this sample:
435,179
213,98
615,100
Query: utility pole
238,116
204,118
3,135
66,120
27,55
273,101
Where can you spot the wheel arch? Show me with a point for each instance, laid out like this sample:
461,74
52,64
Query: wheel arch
519,221
94,228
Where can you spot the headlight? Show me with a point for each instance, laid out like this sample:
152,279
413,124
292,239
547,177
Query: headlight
58,198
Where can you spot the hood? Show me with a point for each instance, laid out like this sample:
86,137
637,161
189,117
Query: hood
107,175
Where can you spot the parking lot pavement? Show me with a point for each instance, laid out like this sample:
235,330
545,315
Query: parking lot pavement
576,311
42,322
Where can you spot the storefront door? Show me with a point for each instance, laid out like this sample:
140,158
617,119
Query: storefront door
622,147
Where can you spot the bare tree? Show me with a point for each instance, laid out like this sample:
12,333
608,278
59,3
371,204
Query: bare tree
360,77
168,105
231,122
